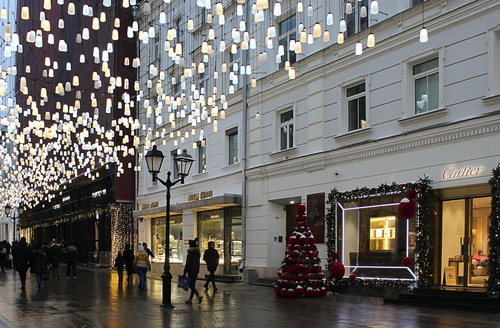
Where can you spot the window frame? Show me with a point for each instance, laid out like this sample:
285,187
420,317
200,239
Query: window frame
344,110
231,135
355,97
201,151
281,125
354,22
409,101
284,39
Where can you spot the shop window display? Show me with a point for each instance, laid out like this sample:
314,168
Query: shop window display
175,239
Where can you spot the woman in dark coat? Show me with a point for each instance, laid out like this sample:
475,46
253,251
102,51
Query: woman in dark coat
38,264
21,254
192,268
128,254
211,257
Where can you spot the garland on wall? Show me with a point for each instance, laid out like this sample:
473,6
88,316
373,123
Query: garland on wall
425,214
493,283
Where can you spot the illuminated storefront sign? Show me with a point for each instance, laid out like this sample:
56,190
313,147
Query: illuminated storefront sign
452,172
201,195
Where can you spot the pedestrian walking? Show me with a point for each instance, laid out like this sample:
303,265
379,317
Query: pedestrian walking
147,250
128,254
55,258
119,265
192,269
3,254
142,265
38,264
21,254
211,257
71,252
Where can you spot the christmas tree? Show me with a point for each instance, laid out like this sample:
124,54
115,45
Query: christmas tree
300,273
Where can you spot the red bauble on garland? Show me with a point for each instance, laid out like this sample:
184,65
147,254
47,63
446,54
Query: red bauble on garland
407,262
301,209
412,194
352,277
407,208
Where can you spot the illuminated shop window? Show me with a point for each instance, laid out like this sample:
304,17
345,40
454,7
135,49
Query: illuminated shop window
383,233
159,239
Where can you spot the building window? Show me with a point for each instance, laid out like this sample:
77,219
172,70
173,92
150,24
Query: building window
356,107
159,239
232,140
356,23
202,156
286,129
494,62
426,86
287,32
416,2
156,48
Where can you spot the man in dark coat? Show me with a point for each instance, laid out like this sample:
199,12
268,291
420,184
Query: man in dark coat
192,269
55,258
128,254
22,254
211,257
71,252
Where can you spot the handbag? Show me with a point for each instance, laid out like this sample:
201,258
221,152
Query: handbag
46,276
183,282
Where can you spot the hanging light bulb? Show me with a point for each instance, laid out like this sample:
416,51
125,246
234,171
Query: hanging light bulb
359,49
370,41
343,26
291,73
317,30
25,12
348,8
424,35
329,19
326,36
190,24
310,10
363,12
300,7
277,9
374,7
340,38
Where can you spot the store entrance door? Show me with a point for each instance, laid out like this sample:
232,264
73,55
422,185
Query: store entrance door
464,238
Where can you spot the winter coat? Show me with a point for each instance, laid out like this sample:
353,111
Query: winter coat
141,257
38,261
21,254
192,267
128,254
211,257
55,257
71,254
119,262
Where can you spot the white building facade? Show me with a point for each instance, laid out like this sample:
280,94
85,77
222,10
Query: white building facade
392,113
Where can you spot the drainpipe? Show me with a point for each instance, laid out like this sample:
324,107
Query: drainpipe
244,202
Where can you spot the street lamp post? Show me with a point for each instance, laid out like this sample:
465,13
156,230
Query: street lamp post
183,162
8,209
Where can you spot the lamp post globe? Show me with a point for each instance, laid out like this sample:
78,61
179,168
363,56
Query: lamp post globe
183,162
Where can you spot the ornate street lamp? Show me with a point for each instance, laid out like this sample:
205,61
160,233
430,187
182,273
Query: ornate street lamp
8,209
183,162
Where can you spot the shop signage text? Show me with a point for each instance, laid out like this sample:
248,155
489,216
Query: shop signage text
201,195
452,172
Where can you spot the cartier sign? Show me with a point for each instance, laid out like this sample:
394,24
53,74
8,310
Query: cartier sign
453,172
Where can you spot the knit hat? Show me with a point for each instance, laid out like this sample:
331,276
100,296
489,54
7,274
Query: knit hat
193,243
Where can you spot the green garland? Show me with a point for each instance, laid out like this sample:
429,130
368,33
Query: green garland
493,283
425,213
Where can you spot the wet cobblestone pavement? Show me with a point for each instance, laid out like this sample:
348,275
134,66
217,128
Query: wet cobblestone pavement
97,299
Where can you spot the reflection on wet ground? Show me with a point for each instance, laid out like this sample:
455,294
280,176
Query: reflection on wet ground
97,299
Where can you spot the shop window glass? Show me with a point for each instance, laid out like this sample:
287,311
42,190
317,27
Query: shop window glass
159,239
236,235
212,229
375,240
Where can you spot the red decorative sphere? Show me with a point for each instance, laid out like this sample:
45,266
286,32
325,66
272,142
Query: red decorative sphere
335,255
337,270
407,208
407,261
352,277
277,290
301,209
299,291
311,240
412,194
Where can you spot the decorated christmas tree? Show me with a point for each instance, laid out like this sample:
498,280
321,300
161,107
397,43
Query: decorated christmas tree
300,273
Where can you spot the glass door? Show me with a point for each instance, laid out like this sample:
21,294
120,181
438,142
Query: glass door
465,241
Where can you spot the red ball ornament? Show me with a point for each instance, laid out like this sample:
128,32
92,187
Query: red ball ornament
335,255
309,292
352,277
337,270
299,291
277,290
290,292
412,194
407,262
407,208
301,209
311,240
